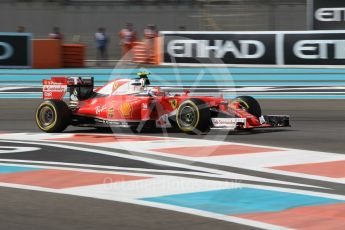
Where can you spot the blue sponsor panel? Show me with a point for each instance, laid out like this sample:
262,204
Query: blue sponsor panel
226,96
21,95
210,79
293,97
241,201
171,70
195,77
15,169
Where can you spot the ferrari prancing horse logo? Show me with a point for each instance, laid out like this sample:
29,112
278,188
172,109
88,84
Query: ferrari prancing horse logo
173,103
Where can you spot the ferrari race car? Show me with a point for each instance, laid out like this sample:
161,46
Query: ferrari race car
134,104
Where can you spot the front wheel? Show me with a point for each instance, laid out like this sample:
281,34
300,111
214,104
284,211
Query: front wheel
251,105
53,116
193,116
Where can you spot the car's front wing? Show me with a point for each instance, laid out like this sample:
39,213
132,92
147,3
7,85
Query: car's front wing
266,121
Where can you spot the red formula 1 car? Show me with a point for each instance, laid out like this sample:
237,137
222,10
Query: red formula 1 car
133,103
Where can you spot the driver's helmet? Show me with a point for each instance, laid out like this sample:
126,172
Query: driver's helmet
136,86
139,85
143,78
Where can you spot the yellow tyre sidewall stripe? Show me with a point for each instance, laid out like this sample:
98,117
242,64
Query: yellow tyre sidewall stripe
198,114
245,103
47,128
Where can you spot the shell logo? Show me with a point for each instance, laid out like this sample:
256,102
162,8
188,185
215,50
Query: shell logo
126,110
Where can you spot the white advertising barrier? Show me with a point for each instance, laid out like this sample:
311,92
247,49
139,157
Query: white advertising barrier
326,14
254,48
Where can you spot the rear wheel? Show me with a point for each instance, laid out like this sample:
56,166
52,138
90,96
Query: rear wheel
193,116
53,116
251,105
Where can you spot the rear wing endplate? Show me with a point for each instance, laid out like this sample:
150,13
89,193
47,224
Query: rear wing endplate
57,87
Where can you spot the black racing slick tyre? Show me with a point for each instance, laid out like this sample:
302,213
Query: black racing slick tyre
53,116
251,105
193,116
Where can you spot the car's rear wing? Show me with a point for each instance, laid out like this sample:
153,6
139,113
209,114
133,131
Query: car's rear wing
56,88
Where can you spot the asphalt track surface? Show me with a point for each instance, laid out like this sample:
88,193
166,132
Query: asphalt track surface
316,125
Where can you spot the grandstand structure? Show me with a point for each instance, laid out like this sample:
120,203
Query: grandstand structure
79,19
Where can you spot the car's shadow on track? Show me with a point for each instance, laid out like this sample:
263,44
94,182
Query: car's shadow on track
177,132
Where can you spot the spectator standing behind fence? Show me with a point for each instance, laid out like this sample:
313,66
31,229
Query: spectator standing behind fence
56,34
182,28
20,29
127,38
150,33
102,40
